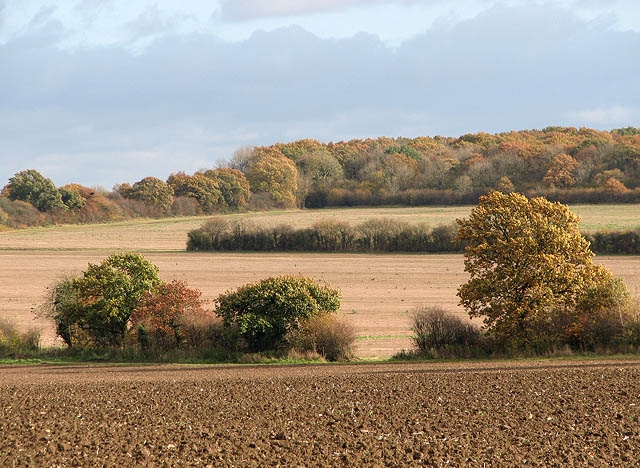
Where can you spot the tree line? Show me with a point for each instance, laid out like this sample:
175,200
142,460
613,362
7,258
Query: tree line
561,163
372,235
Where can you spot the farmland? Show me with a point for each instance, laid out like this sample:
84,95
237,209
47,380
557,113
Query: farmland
493,415
379,291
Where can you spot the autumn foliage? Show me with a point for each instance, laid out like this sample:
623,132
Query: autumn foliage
532,278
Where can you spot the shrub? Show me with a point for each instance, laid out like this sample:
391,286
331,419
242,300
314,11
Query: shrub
14,343
94,309
331,338
266,311
171,316
439,333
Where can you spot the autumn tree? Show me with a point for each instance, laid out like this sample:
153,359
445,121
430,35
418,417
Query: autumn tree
276,176
31,187
151,191
528,264
505,185
205,190
233,185
166,315
560,172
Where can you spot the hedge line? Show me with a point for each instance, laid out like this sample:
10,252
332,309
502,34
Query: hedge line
373,235
377,234
336,197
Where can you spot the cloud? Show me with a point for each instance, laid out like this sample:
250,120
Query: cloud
607,116
240,10
103,115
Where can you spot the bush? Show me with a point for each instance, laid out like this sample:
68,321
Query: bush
441,334
327,336
94,309
14,343
377,234
171,316
266,311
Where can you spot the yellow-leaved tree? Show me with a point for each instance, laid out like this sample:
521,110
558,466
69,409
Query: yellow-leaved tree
276,176
532,278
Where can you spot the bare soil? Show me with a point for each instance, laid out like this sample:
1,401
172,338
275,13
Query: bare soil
466,415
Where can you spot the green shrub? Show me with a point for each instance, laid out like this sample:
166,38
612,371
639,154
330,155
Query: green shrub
94,309
331,338
266,311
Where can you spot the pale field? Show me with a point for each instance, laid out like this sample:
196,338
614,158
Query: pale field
379,291
171,234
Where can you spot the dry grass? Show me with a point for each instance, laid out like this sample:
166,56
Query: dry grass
171,234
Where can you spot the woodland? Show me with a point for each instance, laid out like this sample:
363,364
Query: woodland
564,164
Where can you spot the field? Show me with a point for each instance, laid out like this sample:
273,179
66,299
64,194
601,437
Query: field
471,415
379,291
171,233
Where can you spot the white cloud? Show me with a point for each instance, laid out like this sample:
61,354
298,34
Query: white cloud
607,116
104,115
239,10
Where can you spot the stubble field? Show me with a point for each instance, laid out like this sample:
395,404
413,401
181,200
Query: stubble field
473,415
379,291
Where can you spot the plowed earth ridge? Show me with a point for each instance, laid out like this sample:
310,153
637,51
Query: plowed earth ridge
493,414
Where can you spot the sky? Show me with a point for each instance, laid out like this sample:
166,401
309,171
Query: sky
101,92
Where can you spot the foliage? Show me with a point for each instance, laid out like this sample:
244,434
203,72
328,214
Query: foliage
14,343
233,184
326,335
376,234
276,176
94,309
31,187
439,333
205,190
526,258
151,191
72,198
266,311
168,316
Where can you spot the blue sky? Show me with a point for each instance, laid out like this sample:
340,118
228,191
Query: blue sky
108,91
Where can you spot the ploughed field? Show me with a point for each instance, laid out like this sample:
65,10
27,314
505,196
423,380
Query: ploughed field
483,414
379,291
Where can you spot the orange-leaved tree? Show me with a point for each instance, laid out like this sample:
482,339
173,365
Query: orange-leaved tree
166,315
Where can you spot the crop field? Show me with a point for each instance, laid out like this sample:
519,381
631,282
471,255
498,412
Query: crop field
171,233
380,291
468,415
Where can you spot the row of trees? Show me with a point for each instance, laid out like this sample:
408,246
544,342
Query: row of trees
122,302
372,235
564,164
602,165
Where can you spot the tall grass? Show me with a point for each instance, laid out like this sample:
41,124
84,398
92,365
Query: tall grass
15,343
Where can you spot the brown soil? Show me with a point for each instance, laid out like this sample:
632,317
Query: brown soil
491,415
